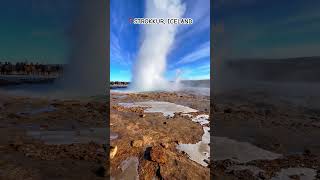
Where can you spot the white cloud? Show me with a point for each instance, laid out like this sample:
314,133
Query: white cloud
203,68
117,54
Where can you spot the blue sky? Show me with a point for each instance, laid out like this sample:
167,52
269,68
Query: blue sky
266,28
190,53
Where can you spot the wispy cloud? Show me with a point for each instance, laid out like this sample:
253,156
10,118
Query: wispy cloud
119,53
200,13
203,68
116,52
202,52
189,72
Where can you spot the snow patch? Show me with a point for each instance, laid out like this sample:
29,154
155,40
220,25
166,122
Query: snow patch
201,119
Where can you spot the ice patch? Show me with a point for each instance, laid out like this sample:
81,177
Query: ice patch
166,108
201,119
303,173
199,152
242,152
129,168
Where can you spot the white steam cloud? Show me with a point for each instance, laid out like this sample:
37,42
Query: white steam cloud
156,42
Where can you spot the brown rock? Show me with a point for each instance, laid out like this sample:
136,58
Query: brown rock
137,143
165,145
158,155
142,115
147,140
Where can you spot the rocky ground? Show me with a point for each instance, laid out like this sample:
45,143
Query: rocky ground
272,137
253,136
52,138
145,143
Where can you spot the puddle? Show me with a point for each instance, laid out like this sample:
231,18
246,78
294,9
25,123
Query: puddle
242,152
97,135
34,111
200,151
302,173
129,168
166,108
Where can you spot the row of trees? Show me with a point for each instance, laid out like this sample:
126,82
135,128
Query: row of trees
23,68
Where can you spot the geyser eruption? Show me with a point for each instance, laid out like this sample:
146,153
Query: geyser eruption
156,42
86,73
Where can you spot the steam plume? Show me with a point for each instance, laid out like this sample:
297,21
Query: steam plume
156,43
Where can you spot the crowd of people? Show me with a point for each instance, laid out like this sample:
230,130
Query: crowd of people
24,68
